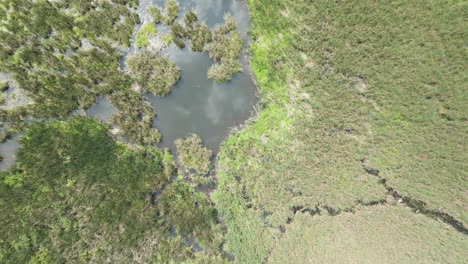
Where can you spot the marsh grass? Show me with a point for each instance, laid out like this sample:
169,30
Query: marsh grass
193,155
135,117
171,11
146,31
178,33
352,92
225,49
78,195
154,74
199,34
4,85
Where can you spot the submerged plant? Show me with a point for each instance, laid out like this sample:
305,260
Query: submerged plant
171,11
193,155
153,73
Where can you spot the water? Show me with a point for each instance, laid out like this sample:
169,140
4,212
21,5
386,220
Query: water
102,110
8,150
197,104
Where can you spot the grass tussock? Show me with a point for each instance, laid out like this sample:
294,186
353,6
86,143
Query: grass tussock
225,49
135,117
193,155
178,33
4,85
156,14
199,34
153,73
352,92
146,31
171,11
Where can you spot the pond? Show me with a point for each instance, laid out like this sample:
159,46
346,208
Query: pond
197,104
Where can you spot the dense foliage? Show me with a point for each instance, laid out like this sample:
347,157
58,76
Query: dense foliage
77,195
63,54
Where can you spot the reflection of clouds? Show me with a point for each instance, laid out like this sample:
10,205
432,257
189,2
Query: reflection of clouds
102,110
206,8
182,110
216,103
8,150
239,104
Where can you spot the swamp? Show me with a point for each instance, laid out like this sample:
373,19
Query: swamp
233,131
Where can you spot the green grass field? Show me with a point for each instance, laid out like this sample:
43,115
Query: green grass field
354,94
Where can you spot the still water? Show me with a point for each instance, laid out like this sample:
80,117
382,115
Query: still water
197,104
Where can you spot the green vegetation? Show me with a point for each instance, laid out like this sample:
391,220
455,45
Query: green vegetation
4,85
190,213
378,234
177,34
77,195
348,101
153,73
171,11
225,48
146,31
62,53
356,153
156,14
193,155
198,33
135,118
167,39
